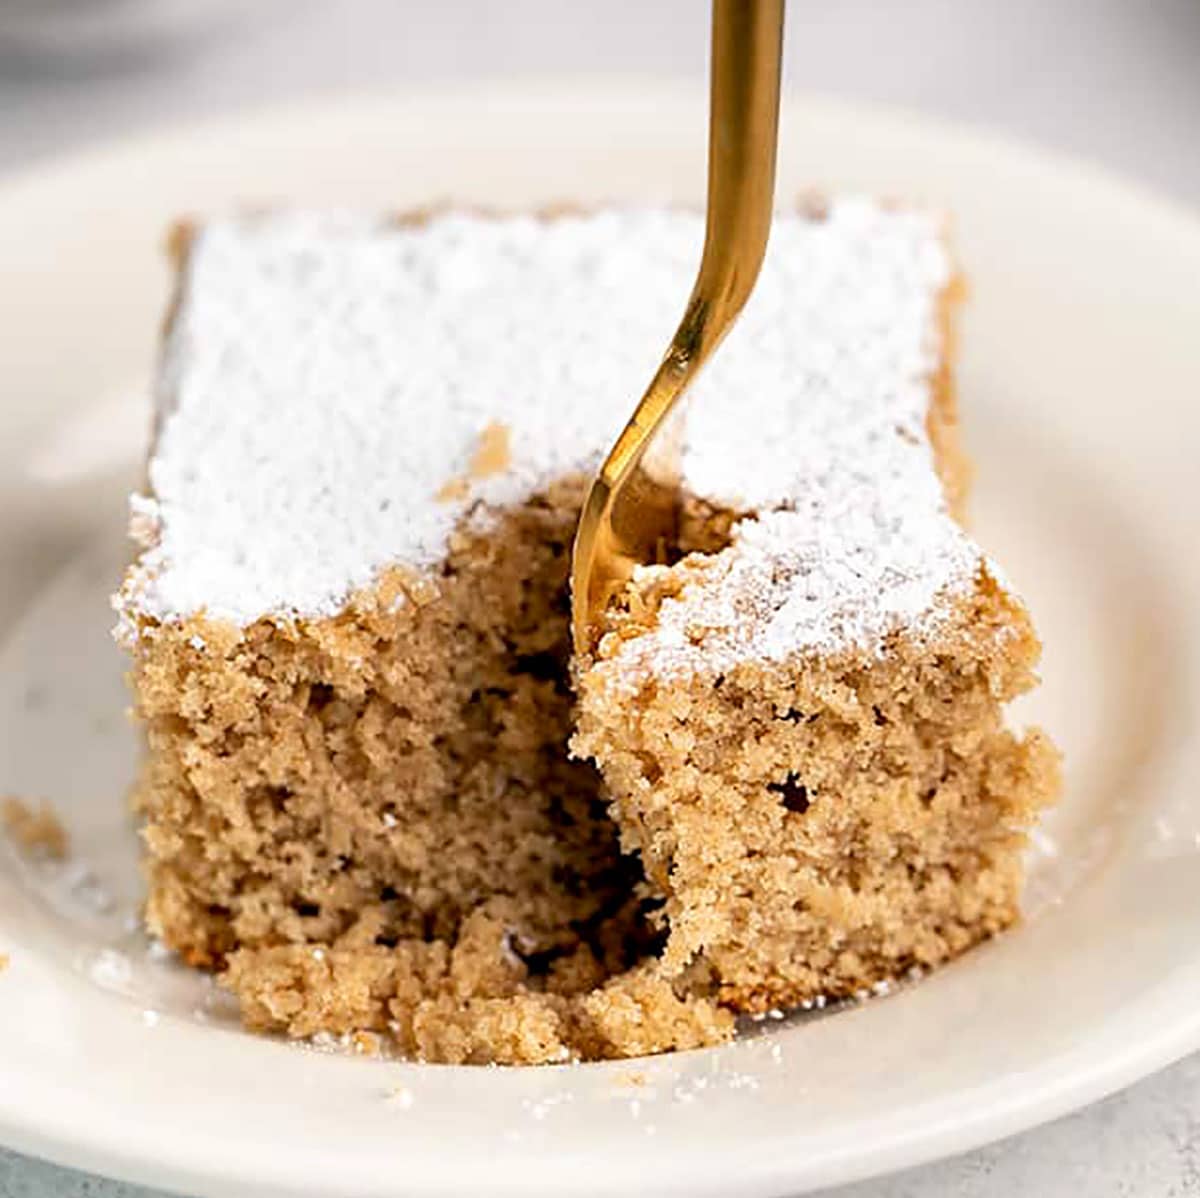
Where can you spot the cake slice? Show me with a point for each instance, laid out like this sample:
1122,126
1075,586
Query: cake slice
824,794
349,631
801,722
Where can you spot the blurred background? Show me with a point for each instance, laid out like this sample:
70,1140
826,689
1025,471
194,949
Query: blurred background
1117,81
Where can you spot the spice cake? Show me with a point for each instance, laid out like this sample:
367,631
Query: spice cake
349,631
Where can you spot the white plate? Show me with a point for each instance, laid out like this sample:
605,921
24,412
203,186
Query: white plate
1080,377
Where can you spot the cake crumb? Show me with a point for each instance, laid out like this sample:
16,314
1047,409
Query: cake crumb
36,831
366,1044
492,455
4,961
454,489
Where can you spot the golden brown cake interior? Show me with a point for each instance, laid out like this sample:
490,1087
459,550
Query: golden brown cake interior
823,824
372,822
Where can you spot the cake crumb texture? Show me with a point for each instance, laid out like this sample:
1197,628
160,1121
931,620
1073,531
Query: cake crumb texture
372,823
473,1003
379,799
34,828
820,824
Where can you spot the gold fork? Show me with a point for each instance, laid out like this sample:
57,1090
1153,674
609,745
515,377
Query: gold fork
630,512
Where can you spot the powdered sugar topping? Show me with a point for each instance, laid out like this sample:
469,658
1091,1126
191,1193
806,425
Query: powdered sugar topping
796,581
329,374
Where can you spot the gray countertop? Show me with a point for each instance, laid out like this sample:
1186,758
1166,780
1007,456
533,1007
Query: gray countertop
1111,80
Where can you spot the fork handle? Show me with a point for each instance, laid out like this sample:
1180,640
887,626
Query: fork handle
743,133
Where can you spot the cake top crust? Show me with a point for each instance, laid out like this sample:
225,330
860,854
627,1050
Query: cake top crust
330,378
